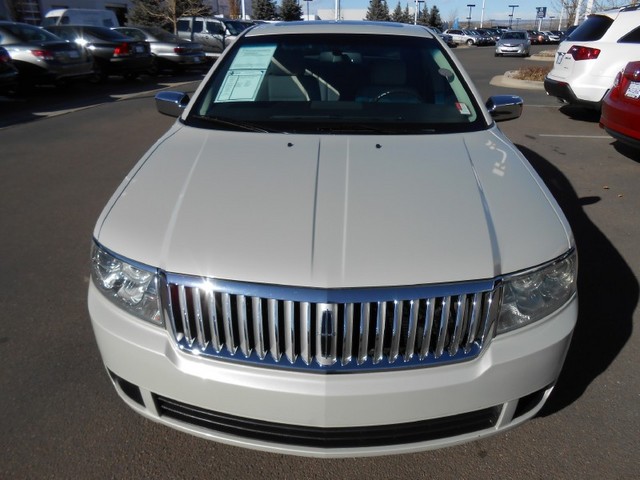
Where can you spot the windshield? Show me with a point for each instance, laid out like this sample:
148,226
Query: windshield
514,36
337,84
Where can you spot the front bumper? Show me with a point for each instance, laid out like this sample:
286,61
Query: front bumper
332,415
512,50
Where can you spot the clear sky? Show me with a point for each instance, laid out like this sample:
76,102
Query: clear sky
496,10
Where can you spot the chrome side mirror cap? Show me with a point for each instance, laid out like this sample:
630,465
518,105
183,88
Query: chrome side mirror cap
171,103
504,107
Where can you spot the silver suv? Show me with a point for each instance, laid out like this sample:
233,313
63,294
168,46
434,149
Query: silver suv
588,60
215,34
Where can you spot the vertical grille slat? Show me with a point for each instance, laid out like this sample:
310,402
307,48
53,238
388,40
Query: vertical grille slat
289,332
392,332
258,331
305,332
396,328
184,315
199,318
274,329
363,341
412,330
459,325
442,329
243,327
227,318
347,342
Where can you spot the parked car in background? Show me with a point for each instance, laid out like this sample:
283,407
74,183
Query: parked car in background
513,42
620,115
446,38
81,16
461,37
113,53
588,61
482,39
487,37
215,34
169,51
551,37
41,57
536,37
8,71
300,237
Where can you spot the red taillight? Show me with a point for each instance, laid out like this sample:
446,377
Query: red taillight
632,71
43,54
122,50
5,58
583,53
180,50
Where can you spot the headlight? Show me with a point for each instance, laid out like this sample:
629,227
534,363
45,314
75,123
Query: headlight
133,288
535,294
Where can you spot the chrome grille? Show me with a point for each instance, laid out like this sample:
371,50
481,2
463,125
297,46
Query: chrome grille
330,330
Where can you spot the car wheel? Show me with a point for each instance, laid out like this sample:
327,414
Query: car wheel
470,42
99,73
154,69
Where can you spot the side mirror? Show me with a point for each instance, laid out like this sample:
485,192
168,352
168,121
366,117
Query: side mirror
171,103
504,107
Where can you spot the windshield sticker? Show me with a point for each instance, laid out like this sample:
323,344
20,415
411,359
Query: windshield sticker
253,58
463,109
246,74
240,86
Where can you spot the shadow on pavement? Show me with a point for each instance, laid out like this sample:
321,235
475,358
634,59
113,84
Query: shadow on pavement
40,102
608,293
581,114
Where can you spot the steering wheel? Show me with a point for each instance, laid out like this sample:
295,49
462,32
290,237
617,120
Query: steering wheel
399,95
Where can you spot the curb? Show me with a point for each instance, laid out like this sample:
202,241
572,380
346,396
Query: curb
507,81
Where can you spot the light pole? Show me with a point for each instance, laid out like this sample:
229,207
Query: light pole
415,14
471,5
512,7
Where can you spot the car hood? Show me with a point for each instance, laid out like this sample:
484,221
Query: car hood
334,211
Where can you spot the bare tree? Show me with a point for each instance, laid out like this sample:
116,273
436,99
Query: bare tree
166,12
576,9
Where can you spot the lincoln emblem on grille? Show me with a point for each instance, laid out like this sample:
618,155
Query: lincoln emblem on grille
326,334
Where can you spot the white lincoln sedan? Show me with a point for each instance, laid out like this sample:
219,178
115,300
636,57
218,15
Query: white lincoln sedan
334,252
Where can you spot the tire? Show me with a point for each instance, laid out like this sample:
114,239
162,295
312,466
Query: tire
99,73
470,42
154,69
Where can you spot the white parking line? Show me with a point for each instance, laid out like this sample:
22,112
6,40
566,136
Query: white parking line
574,136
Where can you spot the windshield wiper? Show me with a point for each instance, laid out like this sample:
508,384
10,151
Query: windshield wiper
249,127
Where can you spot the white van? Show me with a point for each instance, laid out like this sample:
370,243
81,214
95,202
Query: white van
81,16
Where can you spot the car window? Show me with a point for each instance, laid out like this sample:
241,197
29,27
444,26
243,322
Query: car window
593,28
632,37
105,34
183,25
133,33
197,26
164,36
236,27
27,33
337,84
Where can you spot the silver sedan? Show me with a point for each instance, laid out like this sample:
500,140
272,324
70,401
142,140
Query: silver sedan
513,43
169,51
